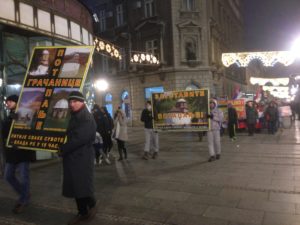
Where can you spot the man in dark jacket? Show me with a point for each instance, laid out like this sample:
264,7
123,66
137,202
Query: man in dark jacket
271,115
252,116
151,136
232,121
78,158
16,159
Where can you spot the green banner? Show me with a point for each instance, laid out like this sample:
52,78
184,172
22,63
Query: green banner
181,110
42,110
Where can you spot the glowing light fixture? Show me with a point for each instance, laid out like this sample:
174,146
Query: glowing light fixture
101,85
106,48
273,81
144,59
242,59
295,49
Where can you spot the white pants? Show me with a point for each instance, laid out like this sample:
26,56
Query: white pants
214,142
151,140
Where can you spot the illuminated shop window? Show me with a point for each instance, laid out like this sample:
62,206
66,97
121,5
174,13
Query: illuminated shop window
126,103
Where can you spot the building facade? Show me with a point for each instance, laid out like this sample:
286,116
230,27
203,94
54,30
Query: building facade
187,36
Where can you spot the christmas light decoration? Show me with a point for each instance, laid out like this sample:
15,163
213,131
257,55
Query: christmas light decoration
106,48
144,58
273,81
268,59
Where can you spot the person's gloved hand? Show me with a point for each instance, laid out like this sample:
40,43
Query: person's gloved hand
15,147
14,116
210,116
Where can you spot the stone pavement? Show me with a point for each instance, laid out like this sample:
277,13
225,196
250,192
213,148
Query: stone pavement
256,182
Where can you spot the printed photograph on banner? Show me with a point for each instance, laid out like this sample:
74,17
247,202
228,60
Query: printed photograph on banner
74,62
29,106
181,110
43,110
42,61
58,112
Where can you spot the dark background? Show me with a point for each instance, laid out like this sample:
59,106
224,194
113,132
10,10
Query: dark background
271,24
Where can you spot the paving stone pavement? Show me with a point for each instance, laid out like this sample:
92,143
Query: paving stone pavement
256,182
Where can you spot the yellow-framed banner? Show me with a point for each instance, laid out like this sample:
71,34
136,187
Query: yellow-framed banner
181,110
42,110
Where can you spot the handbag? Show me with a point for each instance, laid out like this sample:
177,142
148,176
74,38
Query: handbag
116,132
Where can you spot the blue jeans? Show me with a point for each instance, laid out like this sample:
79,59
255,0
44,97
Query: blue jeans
21,186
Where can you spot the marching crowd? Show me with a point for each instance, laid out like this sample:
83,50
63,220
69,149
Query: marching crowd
90,140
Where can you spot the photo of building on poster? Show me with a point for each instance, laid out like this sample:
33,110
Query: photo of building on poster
58,112
181,110
43,109
29,105
74,63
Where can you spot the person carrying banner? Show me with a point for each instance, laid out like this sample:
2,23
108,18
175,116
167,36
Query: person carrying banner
151,136
213,135
16,160
232,121
78,159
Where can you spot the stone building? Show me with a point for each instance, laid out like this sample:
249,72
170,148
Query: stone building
187,36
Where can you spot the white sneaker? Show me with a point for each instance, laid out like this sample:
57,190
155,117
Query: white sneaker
107,161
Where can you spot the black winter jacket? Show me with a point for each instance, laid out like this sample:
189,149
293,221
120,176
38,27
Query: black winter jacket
14,155
147,118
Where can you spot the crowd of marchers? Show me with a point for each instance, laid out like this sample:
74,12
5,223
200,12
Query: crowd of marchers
89,141
90,138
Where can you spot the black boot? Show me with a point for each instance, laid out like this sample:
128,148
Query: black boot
121,155
125,153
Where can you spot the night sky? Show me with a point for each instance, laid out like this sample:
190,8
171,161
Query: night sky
271,24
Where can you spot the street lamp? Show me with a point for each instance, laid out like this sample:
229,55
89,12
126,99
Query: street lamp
101,85
295,48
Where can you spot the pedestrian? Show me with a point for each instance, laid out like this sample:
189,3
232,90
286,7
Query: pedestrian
272,116
151,136
120,132
78,159
16,160
106,131
213,135
232,121
98,144
99,154
251,117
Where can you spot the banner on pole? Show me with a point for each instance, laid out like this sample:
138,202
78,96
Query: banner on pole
181,110
43,115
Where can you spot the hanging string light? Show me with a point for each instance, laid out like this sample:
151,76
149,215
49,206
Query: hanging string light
268,59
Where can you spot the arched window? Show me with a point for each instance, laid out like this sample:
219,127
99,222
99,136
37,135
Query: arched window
108,103
126,103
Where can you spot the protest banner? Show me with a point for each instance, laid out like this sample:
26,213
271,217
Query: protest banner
43,115
181,110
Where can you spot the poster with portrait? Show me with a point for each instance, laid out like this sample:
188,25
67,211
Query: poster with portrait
181,110
42,110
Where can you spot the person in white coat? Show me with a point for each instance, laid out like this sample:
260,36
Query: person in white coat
213,135
120,133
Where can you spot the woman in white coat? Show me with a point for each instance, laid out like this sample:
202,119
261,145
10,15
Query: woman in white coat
120,133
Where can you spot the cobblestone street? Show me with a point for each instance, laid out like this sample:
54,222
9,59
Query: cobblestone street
256,182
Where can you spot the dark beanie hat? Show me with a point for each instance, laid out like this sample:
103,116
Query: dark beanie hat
76,95
13,98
